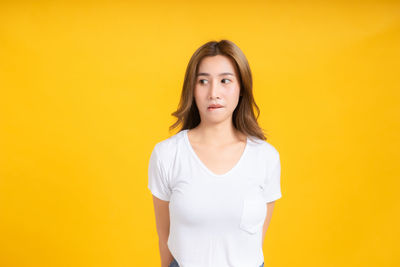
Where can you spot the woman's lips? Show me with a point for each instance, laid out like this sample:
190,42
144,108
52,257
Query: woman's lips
213,108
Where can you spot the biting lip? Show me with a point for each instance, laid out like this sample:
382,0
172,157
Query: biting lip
213,106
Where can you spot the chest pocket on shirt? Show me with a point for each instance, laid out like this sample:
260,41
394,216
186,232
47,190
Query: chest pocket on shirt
254,211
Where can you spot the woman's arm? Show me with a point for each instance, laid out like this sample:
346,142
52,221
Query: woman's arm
161,210
270,208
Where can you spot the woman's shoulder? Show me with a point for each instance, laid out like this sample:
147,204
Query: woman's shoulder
264,147
165,148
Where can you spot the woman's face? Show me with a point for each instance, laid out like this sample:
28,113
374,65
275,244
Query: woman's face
216,84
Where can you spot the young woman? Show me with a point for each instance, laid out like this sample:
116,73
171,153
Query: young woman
215,182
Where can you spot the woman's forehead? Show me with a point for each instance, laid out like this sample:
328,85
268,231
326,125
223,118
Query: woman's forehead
216,66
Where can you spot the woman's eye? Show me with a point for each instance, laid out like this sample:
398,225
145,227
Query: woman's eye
205,81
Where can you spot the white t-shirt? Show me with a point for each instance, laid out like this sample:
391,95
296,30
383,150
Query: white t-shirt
215,220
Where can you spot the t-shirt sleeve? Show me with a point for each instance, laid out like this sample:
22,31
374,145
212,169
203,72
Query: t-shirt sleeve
158,182
272,189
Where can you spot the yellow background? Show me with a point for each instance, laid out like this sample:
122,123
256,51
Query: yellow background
88,88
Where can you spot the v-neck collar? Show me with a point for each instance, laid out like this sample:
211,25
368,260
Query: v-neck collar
187,141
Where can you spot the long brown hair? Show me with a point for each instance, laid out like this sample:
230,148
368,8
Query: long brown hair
243,116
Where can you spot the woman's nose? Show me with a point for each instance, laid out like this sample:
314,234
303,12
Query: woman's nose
214,90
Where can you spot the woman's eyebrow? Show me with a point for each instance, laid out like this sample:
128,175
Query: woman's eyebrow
208,74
